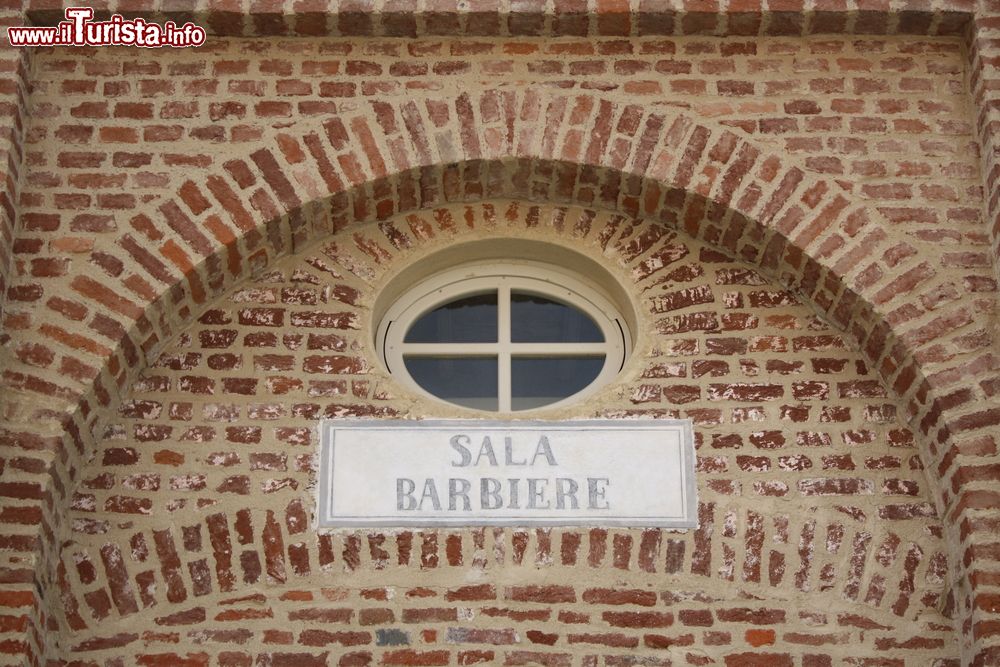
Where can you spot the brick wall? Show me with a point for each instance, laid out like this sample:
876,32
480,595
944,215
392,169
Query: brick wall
16,573
152,185
811,488
13,101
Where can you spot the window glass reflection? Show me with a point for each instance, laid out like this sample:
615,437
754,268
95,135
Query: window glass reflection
538,319
466,381
540,381
471,319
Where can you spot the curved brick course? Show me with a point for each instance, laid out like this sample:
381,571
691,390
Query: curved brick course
901,266
810,484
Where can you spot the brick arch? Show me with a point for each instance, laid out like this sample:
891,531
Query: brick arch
809,232
371,163
201,572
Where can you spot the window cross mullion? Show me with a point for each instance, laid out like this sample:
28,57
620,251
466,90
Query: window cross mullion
460,305
513,349
449,349
558,349
503,337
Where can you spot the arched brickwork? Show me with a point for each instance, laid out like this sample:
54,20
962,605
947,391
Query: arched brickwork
812,234
558,19
530,144
213,451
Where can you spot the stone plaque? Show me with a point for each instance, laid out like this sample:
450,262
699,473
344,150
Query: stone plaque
507,473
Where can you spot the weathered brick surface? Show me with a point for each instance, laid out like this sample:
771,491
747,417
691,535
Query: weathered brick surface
14,68
978,533
215,445
150,186
20,623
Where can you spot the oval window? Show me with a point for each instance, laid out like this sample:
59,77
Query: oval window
504,337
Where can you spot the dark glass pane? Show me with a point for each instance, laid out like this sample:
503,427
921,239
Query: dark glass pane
537,319
468,381
471,319
538,382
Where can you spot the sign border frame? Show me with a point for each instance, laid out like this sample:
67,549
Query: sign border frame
688,520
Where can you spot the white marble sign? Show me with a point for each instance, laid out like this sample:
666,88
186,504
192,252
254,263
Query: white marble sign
507,473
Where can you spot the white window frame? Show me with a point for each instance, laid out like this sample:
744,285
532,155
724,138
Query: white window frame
504,277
